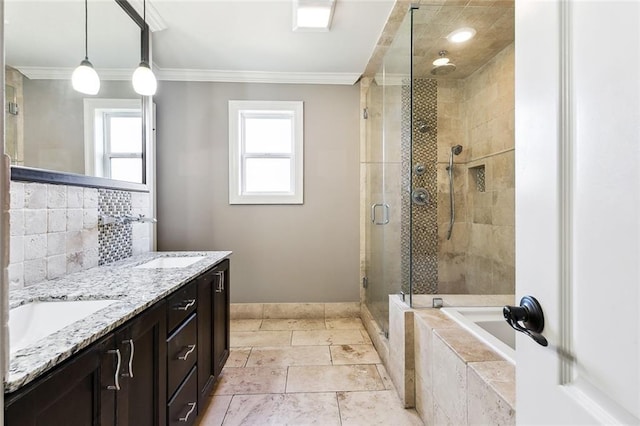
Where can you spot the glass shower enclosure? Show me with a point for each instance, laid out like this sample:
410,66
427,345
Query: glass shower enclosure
388,124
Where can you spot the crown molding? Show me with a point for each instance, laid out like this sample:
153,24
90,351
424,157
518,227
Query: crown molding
55,73
153,18
174,74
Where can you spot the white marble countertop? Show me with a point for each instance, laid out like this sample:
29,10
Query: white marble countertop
134,290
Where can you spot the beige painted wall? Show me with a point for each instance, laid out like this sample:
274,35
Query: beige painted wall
295,253
54,122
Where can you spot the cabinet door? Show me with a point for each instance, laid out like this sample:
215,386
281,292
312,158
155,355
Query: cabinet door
142,398
82,392
206,284
221,317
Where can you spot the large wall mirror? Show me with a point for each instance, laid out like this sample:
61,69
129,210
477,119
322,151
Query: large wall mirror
54,133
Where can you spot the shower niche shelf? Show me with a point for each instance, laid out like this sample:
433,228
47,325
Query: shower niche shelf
478,177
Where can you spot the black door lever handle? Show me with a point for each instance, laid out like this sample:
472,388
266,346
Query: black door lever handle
529,313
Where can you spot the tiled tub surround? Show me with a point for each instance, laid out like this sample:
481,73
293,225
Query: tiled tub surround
54,230
446,373
135,289
459,380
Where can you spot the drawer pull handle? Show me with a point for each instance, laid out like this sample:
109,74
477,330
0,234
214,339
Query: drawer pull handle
116,385
192,408
190,349
187,304
132,350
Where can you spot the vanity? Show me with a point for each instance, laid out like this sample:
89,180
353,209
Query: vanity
148,354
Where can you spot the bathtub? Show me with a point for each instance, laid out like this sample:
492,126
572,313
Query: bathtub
488,325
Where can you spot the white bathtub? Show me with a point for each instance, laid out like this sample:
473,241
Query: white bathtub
488,325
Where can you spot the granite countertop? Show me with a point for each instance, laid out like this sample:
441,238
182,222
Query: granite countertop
134,290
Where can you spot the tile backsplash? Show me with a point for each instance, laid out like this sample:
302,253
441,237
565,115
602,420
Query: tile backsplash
54,230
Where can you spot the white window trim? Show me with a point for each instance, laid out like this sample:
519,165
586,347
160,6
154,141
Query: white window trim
93,130
255,108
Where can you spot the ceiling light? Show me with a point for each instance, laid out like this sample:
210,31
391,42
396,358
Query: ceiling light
144,81
461,35
312,15
85,78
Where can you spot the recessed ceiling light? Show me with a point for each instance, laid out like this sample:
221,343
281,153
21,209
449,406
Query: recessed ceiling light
312,15
461,35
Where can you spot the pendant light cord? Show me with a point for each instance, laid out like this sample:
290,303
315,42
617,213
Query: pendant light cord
86,31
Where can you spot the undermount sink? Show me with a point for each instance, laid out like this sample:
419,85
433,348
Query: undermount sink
33,321
171,262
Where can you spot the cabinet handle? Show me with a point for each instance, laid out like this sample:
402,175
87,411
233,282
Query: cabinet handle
192,408
116,385
132,350
187,304
190,349
220,286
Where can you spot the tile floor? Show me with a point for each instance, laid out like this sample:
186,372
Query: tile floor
302,372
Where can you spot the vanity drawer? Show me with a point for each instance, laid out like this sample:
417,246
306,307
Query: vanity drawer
181,353
181,305
182,409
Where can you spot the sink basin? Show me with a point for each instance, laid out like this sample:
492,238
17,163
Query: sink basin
34,321
171,262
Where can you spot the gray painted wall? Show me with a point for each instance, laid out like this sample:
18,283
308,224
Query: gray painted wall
54,122
295,253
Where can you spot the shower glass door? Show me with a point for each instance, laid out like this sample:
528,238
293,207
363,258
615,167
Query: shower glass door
388,135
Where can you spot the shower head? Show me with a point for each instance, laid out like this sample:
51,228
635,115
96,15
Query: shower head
456,149
422,126
443,69
442,65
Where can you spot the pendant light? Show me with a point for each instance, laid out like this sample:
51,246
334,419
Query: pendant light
144,81
85,78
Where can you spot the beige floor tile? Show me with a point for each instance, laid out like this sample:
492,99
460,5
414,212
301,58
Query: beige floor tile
289,355
251,381
284,409
366,337
354,354
245,324
293,324
386,379
215,411
375,408
344,324
333,378
260,338
238,357
329,337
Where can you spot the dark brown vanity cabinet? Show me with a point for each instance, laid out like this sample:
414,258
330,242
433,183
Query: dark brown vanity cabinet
120,380
81,392
213,327
156,369
141,398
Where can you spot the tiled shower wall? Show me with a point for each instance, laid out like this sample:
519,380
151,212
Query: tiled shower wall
54,230
478,113
419,226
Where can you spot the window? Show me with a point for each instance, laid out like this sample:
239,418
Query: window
265,152
113,139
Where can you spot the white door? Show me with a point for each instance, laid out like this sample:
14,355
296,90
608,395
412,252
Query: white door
578,209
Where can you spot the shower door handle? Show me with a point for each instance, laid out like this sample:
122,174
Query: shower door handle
385,217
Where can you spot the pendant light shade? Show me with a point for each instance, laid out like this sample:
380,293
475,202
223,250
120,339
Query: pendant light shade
144,81
85,78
